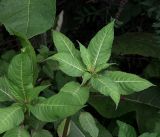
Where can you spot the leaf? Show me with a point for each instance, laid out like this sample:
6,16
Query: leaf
128,83
87,76
42,133
17,132
64,44
101,44
60,128
10,117
70,99
5,90
88,124
69,65
102,67
33,93
28,17
25,43
126,130
149,135
20,73
106,87
86,57
81,94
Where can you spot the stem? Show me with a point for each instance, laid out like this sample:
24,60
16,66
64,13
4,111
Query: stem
66,126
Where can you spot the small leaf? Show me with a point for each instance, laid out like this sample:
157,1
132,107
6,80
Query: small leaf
126,130
86,56
86,77
17,132
101,44
102,67
71,98
128,83
63,44
107,87
69,65
42,133
88,124
10,117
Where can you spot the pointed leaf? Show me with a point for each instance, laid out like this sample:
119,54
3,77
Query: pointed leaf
42,133
128,83
149,135
88,124
87,76
86,56
69,65
10,117
20,73
126,130
107,87
71,98
28,17
63,44
101,44
17,132
102,67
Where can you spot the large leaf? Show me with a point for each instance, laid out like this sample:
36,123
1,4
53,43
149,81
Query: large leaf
128,83
70,99
63,43
125,130
20,73
42,133
10,117
29,17
88,124
17,132
143,44
107,87
69,65
101,44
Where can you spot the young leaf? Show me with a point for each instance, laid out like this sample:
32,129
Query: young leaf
102,67
128,83
88,124
17,132
69,65
42,133
28,17
87,76
10,117
107,87
71,98
126,130
86,56
20,73
63,44
101,44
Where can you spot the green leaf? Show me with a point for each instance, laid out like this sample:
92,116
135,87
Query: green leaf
101,44
87,76
20,73
102,67
86,57
28,17
149,135
64,44
61,127
33,93
17,132
128,83
126,130
5,90
10,117
42,133
69,65
81,94
88,124
107,87
25,43
71,98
